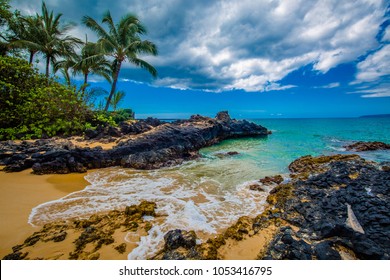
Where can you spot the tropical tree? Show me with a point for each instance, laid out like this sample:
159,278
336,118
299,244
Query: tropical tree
6,16
26,29
64,66
83,64
53,41
117,98
5,13
91,62
122,42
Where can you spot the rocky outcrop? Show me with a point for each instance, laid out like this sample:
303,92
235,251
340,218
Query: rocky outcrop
155,145
367,146
341,211
333,207
96,237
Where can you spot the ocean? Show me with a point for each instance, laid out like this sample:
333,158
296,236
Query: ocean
209,194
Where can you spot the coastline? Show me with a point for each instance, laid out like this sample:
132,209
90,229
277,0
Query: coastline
250,238
22,191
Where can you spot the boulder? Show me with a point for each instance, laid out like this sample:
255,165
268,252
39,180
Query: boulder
367,146
179,238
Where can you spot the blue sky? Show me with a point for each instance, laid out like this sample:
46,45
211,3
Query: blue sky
256,59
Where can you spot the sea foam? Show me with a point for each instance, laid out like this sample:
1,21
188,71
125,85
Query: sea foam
206,197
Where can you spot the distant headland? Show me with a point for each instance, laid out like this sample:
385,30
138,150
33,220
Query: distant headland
376,116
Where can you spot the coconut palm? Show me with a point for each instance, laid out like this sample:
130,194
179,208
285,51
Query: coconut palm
122,42
52,39
6,18
82,64
64,66
91,62
117,98
27,29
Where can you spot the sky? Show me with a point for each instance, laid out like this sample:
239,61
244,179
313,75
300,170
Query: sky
256,59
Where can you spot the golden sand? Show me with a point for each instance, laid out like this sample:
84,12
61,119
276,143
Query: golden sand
250,248
22,191
81,143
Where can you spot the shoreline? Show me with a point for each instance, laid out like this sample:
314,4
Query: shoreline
249,238
22,191
262,237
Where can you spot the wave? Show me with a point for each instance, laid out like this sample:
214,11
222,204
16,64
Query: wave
199,197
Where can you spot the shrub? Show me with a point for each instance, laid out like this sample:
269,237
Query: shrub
122,115
35,107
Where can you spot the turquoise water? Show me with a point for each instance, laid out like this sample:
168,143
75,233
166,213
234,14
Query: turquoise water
293,138
209,194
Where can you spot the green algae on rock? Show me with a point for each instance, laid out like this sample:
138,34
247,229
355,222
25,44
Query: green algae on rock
85,238
308,217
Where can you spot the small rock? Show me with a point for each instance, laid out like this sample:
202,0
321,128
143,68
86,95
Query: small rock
227,154
94,256
223,116
121,248
59,237
367,146
256,187
179,238
271,180
325,251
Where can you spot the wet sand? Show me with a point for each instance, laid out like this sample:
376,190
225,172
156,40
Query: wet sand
22,191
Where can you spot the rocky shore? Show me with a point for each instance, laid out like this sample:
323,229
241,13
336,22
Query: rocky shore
331,207
145,144
327,207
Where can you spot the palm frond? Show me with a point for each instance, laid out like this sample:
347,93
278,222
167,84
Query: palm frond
95,27
111,26
143,64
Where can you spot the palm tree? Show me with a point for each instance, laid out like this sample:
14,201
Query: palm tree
50,38
91,62
27,29
5,19
82,63
122,41
65,65
55,42
117,98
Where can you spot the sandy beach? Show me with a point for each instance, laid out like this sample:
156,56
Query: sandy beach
22,191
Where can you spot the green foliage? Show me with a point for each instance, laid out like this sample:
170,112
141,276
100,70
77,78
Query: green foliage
122,115
117,98
5,13
34,107
101,118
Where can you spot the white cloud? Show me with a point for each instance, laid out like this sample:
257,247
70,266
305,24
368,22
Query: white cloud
386,35
246,44
378,92
175,83
331,85
375,66
372,90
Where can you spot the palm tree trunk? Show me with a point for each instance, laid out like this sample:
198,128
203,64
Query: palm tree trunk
85,78
85,83
113,88
47,66
32,53
67,77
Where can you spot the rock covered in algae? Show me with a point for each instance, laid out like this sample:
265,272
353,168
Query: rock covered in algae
333,207
99,236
